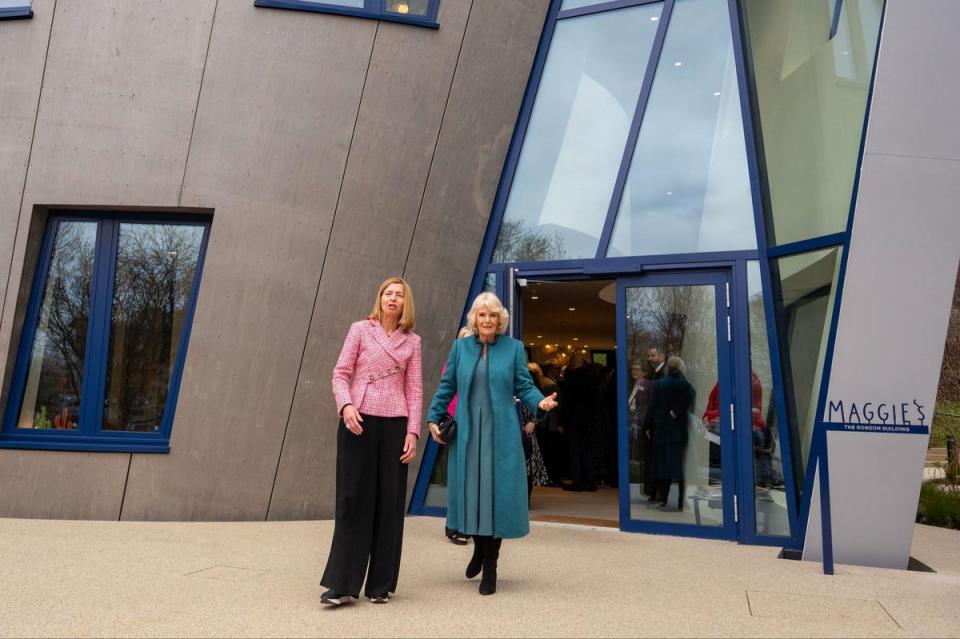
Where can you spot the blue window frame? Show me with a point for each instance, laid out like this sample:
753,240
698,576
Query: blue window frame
106,332
422,13
16,9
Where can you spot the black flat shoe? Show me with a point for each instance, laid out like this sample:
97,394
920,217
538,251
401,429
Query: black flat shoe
457,537
332,598
379,599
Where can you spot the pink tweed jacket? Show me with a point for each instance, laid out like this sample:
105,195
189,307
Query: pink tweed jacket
386,372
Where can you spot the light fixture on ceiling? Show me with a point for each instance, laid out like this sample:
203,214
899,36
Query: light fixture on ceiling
716,93
678,64
576,339
572,308
534,297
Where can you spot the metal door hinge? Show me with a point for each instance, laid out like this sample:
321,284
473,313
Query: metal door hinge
729,330
736,509
727,287
733,422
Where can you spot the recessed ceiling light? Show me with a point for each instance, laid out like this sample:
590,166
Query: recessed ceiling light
573,308
531,343
534,297
539,336
678,64
669,192
716,93
576,339
654,18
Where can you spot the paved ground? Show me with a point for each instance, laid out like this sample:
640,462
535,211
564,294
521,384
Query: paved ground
259,579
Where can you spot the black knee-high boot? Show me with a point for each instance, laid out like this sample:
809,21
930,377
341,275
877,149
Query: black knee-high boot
476,562
488,583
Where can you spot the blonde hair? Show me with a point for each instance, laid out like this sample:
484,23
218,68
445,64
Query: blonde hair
408,316
536,373
493,304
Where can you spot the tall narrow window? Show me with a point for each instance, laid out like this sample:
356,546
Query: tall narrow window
105,334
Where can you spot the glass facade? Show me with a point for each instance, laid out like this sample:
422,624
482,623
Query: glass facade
627,178
770,489
688,189
812,90
575,139
805,297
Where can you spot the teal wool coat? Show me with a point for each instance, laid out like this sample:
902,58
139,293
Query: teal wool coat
507,377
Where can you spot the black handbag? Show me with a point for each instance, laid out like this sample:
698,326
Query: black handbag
448,428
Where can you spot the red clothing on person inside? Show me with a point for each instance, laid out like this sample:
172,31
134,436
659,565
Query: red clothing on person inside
386,372
712,414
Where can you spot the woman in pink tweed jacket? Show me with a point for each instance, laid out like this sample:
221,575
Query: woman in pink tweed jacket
378,386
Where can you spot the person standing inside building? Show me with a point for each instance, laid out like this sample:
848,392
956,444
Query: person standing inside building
668,420
486,473
376,440
580,416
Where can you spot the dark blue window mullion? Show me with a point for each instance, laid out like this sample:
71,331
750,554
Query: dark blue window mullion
166,425
25,351
760,196
98,332
642,100
835,23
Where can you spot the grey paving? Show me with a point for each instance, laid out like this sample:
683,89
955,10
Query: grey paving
73,578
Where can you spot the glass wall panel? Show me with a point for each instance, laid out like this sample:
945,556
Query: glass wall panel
674,456
812,94
575,139
807,287
688,189
51,397
770,496
155,269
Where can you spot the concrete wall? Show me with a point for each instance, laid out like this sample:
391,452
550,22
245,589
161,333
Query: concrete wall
334,151
898,288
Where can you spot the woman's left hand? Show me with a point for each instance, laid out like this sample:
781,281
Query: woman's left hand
409,449
548,403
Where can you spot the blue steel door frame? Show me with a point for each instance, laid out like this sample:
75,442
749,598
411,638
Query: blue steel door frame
719,279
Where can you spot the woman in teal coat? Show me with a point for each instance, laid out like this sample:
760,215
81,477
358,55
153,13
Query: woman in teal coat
486,472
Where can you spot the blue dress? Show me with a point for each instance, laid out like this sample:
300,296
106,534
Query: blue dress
478,475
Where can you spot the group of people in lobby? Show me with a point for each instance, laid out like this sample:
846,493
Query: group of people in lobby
658,406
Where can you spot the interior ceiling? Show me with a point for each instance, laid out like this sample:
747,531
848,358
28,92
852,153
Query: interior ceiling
549,320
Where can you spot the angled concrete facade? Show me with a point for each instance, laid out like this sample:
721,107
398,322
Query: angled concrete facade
332,151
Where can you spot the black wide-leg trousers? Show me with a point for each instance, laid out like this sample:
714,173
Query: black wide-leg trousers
371,499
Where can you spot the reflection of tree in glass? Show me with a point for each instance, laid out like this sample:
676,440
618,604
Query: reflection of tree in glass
518,242
154,277
663,315
62,329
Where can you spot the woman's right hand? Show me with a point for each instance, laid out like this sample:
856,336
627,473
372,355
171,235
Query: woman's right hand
435,433
352,419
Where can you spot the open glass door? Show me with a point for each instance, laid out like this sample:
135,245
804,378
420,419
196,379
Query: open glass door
677,462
